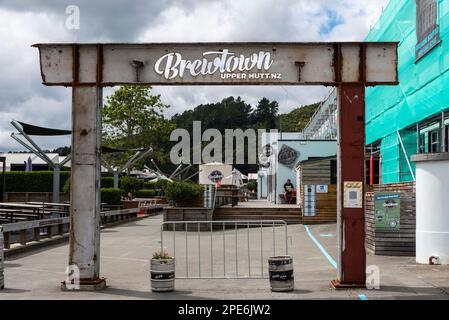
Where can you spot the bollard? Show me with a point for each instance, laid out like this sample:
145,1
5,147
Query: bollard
2,258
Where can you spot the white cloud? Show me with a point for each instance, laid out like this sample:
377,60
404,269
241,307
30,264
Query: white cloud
22,96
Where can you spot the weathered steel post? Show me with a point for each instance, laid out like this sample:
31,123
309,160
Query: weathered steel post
351,178
85,186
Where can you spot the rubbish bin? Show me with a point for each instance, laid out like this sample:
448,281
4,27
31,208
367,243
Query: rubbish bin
281,273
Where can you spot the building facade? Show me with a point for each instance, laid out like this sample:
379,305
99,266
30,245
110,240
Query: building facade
412,117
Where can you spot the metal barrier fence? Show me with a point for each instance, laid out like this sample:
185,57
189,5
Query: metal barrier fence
224,249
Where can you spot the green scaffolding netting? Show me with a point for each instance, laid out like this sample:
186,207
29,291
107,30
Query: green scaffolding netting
424,86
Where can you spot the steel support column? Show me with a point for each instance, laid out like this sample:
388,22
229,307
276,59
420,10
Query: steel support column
56,183
85,186
351,168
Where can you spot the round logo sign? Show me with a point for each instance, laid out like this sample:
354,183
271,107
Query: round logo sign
216,176
267,150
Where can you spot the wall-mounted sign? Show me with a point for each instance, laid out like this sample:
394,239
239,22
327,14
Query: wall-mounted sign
387,209
287,156
322,188
353,194
216,176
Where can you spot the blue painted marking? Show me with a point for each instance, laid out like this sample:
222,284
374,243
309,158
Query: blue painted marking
318,244
327,255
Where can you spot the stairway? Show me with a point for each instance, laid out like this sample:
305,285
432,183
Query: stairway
290,215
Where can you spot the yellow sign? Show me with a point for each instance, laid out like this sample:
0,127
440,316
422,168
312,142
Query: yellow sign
353,194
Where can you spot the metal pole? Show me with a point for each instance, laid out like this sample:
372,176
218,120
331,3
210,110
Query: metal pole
3,160
84,248
116,179
406,156
249,257
187,251
224,251
56,183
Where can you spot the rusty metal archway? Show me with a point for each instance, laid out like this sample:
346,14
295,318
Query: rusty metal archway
87,68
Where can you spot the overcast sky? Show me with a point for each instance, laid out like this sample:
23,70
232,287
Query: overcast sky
24,22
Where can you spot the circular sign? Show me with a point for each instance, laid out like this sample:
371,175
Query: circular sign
267,150
216,176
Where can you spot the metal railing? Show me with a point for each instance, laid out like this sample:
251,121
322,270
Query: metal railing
224,249
31,231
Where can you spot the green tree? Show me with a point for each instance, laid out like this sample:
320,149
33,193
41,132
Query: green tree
264,116
297,119
133,118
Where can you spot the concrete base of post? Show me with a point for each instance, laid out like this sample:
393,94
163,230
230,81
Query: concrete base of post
85,285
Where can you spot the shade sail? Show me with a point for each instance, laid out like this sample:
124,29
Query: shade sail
41,131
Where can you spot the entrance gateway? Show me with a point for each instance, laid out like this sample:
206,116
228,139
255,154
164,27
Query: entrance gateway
87,68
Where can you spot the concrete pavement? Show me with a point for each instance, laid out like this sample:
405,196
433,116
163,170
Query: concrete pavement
126,250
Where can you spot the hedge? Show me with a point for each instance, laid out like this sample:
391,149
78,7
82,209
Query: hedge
32,181
183,193
131,184
111,196
146,193
149,185
107,182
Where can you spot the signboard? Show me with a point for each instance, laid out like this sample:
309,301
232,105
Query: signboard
218,63
322,188
387,209
353,194
287,156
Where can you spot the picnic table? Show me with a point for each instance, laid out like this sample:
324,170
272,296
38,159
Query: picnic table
64,206
35,209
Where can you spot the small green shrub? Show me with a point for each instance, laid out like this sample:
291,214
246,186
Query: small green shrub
111,196
107,182
131,184
161,255
183,193
149,185
145,193
251,186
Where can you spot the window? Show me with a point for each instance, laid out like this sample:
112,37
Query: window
423,143
434,143
426,18
427,29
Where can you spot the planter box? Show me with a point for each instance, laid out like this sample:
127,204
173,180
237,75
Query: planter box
187,214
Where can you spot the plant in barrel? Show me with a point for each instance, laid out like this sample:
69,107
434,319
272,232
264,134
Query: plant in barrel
162,270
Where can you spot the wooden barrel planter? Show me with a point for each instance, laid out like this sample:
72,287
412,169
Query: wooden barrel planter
162,275
281,273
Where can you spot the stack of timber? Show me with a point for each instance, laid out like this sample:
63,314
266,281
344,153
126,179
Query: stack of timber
292,215
392,243
318,205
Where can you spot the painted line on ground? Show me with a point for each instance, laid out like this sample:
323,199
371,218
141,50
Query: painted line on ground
328,256
323,251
